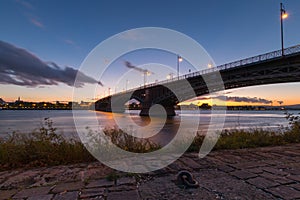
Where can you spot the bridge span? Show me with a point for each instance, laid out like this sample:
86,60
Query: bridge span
269,68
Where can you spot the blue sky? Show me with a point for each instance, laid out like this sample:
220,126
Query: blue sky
64,32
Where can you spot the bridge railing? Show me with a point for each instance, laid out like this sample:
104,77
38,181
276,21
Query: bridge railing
251,60
246,61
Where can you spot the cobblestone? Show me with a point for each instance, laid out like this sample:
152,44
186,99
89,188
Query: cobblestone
261,173
285,192
65,187
32,192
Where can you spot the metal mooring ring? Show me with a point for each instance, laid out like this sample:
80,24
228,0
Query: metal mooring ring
185,178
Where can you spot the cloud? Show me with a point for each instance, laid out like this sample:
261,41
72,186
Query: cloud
132,35
280,102
239,99
25,4
129,65
249,100
72,43
20,67
33,19
36,22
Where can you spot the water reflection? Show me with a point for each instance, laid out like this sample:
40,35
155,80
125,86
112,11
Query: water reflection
26,121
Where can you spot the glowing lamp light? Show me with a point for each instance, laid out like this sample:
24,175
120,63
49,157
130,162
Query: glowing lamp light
285,15
180,59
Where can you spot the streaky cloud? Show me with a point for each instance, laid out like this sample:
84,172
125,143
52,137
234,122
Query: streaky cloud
239,99
249,100
20,67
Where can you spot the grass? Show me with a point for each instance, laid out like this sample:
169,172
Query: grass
44,147
251,138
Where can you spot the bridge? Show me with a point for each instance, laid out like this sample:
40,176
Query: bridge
269,68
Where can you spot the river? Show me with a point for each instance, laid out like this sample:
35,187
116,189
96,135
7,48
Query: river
24,121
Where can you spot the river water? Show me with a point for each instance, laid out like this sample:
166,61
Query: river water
27,120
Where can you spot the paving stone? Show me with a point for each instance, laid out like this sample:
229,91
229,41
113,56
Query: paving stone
190,162
153,190
255,170
247,165
126,181
66,196
41,197
7,194
228,187
218,161
132,195
294,177
178,166
295,186
242,174
229,159
121,188
274,171
32,192
278,178
226,168
284,192
262,183
100,183
292,153
164,171
64,187
92,192
293,171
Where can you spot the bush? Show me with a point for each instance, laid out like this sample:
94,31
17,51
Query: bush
41,148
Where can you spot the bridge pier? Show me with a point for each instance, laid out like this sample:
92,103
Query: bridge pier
170,110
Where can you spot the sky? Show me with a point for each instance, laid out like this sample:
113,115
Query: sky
44,43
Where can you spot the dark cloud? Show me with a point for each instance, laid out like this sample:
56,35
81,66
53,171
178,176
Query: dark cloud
19,67
280,102
249,100
239,99
129,65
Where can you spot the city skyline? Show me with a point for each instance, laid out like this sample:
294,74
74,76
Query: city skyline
62,35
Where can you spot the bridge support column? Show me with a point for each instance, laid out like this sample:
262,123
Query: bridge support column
169,110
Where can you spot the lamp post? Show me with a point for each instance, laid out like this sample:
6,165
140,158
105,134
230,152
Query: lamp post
127,81
146,73
179,59
170,76
283,15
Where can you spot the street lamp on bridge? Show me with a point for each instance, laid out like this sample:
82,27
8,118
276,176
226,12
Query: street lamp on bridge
179,59
283,15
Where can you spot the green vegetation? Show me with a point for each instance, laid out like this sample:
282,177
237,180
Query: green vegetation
129,143
44,147
239,139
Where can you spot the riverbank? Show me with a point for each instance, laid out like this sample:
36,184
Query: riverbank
256,173
44,147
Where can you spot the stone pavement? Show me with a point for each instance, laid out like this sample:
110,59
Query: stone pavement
260,173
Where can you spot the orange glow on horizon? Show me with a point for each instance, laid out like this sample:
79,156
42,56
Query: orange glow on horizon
232,103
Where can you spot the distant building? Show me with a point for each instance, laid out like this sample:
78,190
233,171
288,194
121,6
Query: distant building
2,102
205,106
